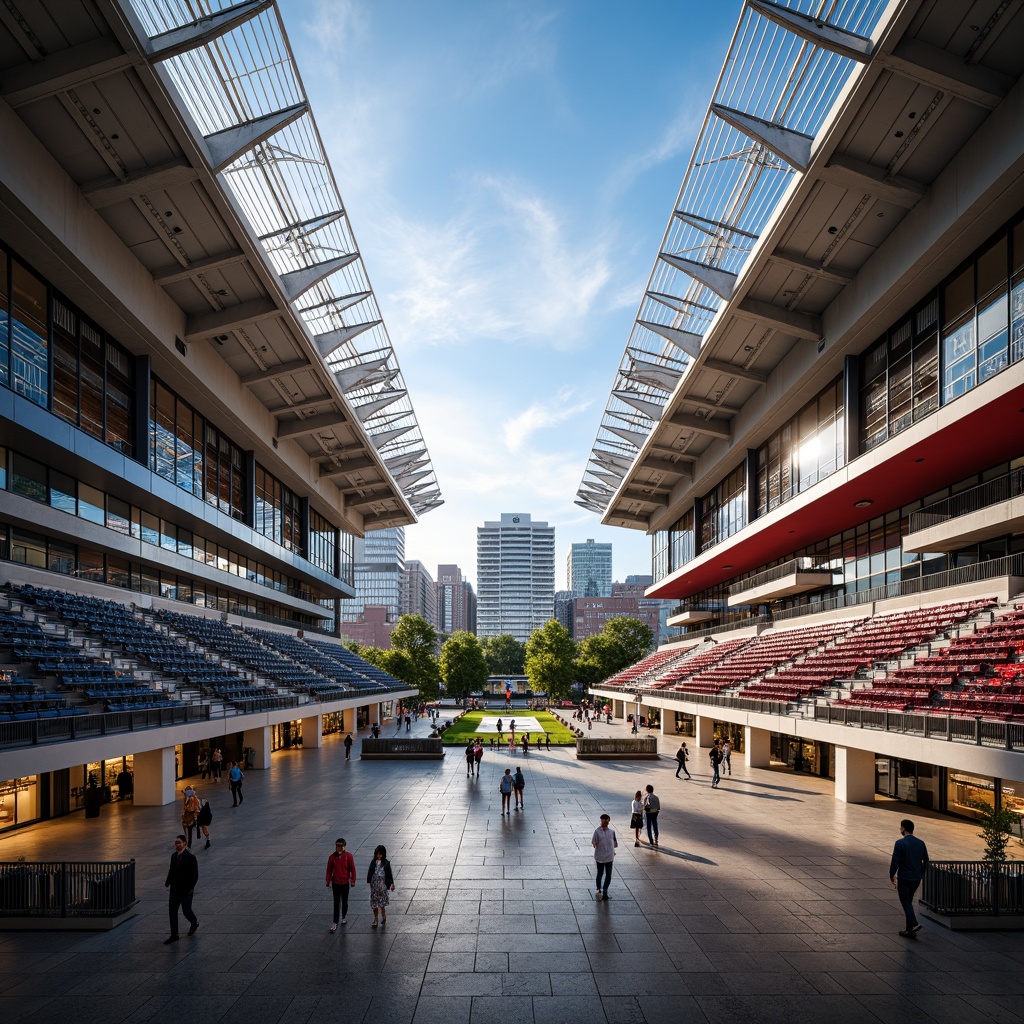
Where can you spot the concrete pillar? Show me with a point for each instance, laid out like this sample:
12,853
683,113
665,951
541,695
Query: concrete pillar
855,775
154,778
348,720
704,731
313,732
663,719
259,740
375,714
757,744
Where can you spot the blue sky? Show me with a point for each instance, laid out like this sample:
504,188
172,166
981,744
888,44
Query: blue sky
509,170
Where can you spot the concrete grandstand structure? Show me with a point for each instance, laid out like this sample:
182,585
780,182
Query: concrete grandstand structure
819,413
200,407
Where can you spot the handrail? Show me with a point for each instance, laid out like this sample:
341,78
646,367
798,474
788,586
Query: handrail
754,620
991,492
777,572
1008,565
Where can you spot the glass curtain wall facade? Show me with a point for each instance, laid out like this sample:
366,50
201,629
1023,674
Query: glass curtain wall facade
58,358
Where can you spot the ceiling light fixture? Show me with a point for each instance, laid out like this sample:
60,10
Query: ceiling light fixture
863,503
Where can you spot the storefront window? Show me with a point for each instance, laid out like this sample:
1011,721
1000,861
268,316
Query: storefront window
964,792
19,801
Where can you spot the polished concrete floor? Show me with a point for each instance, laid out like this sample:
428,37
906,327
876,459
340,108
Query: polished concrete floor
767,901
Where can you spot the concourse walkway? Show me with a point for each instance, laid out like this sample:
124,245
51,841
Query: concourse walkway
768,901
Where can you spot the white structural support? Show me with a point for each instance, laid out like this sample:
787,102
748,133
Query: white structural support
225,147
855,775
259,740
313,732
204,30
686,341
154,777
721,282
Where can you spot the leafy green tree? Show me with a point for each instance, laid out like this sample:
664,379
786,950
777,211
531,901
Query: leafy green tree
631,638
595,658
622,642
417,638
996,829
396,663
463,666
506,656
550,660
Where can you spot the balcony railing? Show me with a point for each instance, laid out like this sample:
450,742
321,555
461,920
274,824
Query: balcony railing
69,889
992,492
777,572
1010,565
727,627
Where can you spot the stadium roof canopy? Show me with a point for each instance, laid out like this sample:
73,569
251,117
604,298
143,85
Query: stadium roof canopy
186,126
829,123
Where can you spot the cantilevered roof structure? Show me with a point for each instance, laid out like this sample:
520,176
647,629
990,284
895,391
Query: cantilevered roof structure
186,126
829,124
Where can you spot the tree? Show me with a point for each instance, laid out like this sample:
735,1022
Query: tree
632,638
622,642
417,638
463,666
506,656
595,660
996,829
396,663
550,660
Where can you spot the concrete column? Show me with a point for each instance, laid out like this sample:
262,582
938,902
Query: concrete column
375,716
662,721
704,731
259,740
855,775
154,778
757,745
348,720
313,732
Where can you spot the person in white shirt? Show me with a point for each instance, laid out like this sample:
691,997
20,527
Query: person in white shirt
605,842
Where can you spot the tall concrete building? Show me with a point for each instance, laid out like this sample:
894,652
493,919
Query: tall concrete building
379,564
456,601
588,569
418,592
515,564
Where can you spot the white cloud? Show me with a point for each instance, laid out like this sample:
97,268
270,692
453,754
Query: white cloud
539,416
504,266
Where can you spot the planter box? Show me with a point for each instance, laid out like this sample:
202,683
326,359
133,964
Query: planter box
402,749
627,747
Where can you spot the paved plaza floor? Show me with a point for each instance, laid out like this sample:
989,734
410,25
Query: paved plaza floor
767,901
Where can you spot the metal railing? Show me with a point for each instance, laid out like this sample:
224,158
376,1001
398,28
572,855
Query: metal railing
992,492
973,888
37,731
1009,565
68,889
727,627
778,572
979,731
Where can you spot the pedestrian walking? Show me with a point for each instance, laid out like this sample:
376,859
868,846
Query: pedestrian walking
204,820
906,869
636,816
682,756
605,843
715,756
235,778
727,754
652,808
501,730
547,741
469,759
478,756
341,876
182,878
408,723
204,763
511,745
189,814
382,882
348,746
505,789
519,784
218,762
526,744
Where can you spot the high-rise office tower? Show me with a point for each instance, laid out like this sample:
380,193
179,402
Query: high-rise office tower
456,601
419,592
515,565
588,569
565,609
379,563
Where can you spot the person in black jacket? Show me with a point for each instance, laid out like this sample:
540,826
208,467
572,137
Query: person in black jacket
182,877
381,882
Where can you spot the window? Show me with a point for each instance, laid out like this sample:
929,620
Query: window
28,478
28,548
91,504
29,335
5,326
62,493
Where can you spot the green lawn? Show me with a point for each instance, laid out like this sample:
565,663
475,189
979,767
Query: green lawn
465,729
